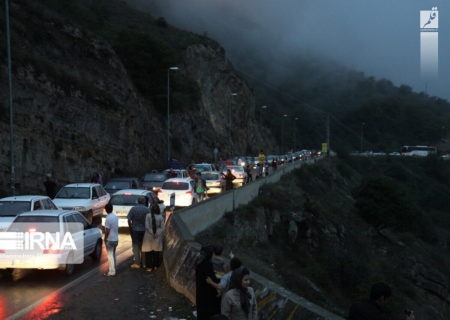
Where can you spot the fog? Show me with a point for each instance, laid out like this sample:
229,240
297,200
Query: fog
380,38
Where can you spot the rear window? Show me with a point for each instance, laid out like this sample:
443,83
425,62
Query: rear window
159,177
202,167
175,185
29,222
74,193
12,208
210,176
124,200
118,185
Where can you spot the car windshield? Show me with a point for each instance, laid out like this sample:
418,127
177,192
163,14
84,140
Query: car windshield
74,193
210,176
124,199
175,185
12,208
118,185
32,222
159,177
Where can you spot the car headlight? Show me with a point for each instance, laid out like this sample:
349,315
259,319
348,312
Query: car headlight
81,209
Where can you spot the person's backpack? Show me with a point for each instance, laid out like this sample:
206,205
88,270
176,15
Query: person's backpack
200,188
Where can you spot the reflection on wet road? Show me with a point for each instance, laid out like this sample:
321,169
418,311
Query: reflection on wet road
26,294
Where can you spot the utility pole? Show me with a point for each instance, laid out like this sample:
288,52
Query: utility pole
328,134
11,113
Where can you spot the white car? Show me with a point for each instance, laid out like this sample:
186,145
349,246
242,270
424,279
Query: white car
10,207
88,198
183,188
124,200
239,173
214,181
86,240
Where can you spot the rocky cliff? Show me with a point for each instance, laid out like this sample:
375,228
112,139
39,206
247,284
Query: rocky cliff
76,109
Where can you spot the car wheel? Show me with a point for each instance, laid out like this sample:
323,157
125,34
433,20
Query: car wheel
97,253
70,267
7,273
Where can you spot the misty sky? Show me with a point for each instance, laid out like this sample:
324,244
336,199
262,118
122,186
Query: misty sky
380,38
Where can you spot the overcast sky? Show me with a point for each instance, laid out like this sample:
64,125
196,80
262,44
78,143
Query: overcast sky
380,38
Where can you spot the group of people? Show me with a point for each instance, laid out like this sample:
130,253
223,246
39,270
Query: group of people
223,288
146,227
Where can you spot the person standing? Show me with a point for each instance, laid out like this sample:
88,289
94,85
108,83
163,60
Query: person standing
136,223
111,239
206,298
239,303
152,245
229,177
225,281
200,187
372,309
50,186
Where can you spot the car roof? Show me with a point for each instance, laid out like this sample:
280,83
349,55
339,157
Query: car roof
137,192
24,198
48,213
82,184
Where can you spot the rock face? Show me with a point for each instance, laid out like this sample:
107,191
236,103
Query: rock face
76,111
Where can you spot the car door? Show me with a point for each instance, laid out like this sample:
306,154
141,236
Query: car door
89,233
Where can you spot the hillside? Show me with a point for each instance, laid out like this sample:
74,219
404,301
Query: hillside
359,221
90,84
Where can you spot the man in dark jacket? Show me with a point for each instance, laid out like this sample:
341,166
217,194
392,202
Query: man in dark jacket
372,309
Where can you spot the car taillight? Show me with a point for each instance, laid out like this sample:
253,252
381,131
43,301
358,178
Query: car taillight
2,251
51,251
188,192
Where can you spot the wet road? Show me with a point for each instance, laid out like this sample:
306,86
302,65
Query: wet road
28,290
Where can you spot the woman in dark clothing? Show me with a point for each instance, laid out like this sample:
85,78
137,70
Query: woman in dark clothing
207,299
229,177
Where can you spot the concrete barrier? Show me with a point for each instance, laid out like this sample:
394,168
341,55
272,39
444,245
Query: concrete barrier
181,253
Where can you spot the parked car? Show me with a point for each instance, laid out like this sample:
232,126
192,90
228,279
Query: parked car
214,181
22,255
88,198
10,207
183,188
153,181
238,172
124,200
117,184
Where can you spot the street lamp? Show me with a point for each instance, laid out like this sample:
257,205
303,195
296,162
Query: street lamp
233,94
294,127
260,112
282,131
168,111
11,121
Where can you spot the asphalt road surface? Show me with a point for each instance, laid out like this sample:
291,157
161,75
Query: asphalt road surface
87,294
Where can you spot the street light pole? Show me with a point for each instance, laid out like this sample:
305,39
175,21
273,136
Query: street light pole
294,137
233,94
264,107
282,132
362,136
11,113
168,112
